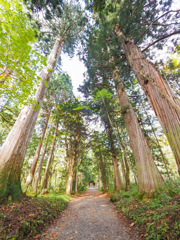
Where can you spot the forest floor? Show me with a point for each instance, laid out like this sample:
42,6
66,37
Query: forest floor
155,217
26,219
90,216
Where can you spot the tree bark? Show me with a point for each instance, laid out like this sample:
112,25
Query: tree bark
123,167
100,182
76,184
149,178
164,102
46,173
71,160
55,179
13,150
118,183
127,185
103,168
41,161
70,175
125,164
36,156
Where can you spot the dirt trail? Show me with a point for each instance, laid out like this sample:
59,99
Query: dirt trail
90,216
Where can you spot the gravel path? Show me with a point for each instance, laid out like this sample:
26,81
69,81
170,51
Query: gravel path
90,216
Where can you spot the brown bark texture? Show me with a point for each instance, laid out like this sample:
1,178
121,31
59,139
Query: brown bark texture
163,101
99,176
103,169
70,174
13,150
41,162
36,156
76,183
118,182
71,158
149,177
156,90
48,165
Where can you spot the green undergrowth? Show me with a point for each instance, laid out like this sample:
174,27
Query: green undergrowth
155,217
80,190
27,219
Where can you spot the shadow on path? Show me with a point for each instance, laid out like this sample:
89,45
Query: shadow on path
89,216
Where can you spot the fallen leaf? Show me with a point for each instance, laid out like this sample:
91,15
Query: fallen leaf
37,236
31,215
132,224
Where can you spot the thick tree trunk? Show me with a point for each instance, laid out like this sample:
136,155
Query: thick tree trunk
46,173
69,182
41,161
163,100
165,161
118,183
149,178
13,150
36,156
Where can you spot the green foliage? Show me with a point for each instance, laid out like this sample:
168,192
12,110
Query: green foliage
157,217
114,198
19,62
104,93
26,219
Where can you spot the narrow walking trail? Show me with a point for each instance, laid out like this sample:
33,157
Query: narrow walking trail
90,216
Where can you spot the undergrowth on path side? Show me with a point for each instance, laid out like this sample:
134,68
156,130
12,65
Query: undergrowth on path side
26,219
156,217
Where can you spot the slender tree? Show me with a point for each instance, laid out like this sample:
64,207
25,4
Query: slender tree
118,185
46,173
41,160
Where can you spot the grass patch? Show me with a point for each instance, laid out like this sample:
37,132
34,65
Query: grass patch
26,219
155,218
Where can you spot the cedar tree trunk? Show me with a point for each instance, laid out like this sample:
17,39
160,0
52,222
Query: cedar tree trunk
76,184
118,183
46,173
159,93
70,174
13,150
41,162
149,178
36,156
103,168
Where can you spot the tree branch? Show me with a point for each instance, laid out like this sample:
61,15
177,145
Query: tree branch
150,25
163,37
105,84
